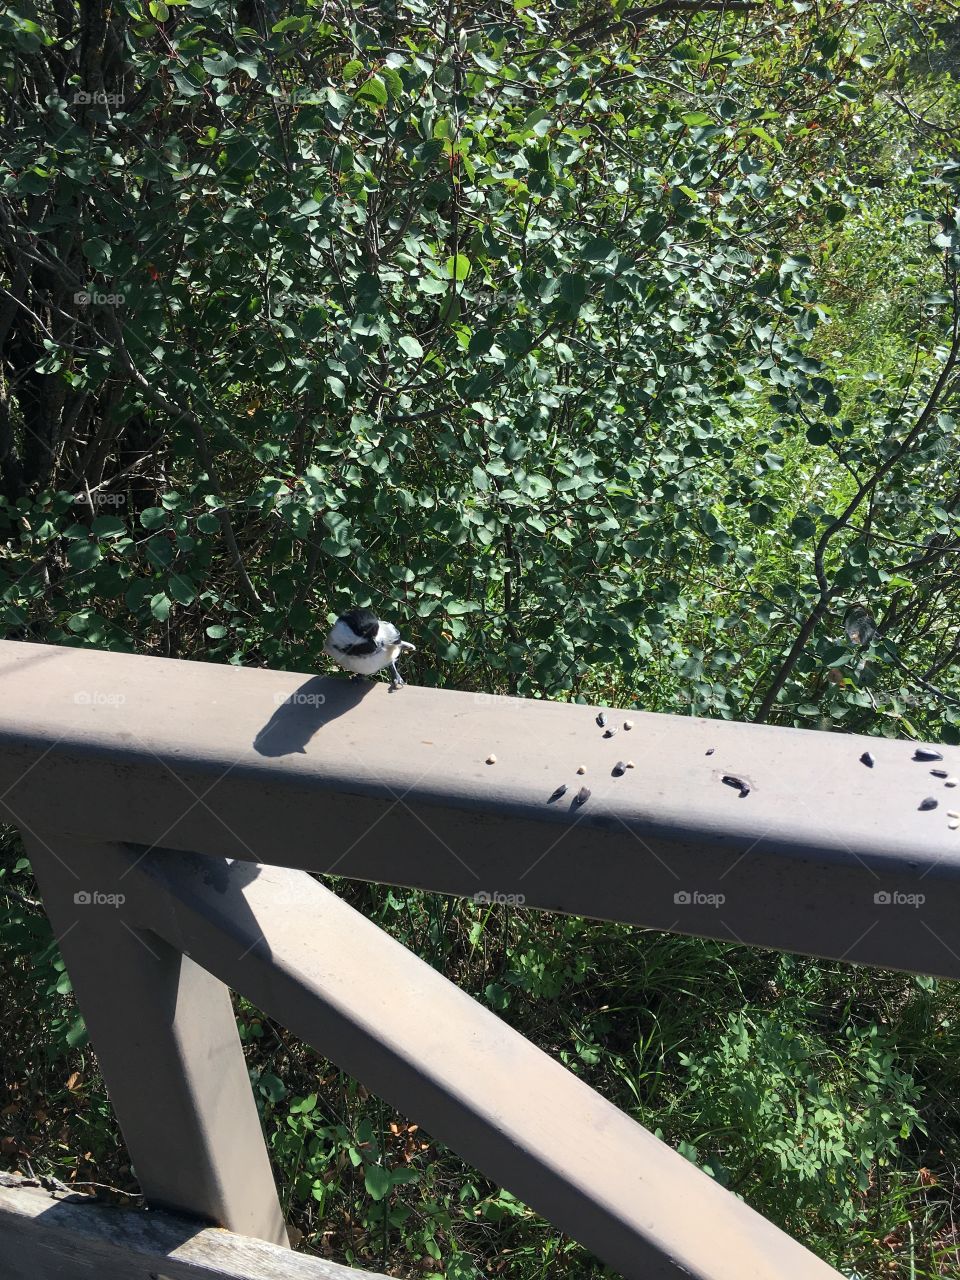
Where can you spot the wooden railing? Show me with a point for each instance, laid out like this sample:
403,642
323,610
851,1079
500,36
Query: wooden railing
172,811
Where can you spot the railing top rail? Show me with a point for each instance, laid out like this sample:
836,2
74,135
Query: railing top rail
395,786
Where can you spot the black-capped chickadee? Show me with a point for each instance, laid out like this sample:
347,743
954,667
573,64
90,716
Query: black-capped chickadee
361,643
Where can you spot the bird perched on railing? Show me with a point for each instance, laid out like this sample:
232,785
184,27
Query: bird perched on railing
361,643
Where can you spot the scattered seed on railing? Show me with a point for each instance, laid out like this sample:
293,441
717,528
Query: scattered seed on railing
939,773
610,732
619,768
631,765
560,791
953,823
709,751
582,796
491,759
926,753
732,780
628,724
601,719
928,803
581,768
952,782
867,759
953,813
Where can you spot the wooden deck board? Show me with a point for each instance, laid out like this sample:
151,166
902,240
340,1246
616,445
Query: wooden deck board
46,1235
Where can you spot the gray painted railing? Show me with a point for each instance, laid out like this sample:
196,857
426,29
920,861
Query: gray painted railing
172,809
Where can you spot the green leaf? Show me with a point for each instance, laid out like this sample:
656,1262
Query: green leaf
219,64
108,526
458,267
272,1087
599,249
216,631
97,253
411,346
480,342
377,1180
819,433
393,81
372,91
573,288
160,606
77,1034
83,555
181,588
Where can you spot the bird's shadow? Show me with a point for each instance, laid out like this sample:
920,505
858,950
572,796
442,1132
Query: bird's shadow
317,702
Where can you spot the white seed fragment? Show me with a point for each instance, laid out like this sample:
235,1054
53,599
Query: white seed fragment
628,724
491,759
581,768
952,813
953,823
951,782
631,765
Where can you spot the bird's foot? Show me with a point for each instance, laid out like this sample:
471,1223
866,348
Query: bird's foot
397,681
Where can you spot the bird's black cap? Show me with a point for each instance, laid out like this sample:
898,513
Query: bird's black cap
362,622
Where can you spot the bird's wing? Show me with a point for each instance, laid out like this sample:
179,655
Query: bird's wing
387,634
342,639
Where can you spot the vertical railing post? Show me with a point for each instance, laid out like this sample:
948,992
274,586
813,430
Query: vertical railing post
166,1040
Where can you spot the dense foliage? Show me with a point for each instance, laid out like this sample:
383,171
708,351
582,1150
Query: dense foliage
611,351
505,321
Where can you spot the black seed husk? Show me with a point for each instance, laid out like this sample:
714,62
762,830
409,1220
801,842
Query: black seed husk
929,803
867,759
583,795
619,768
939,773
709,751
926,753
560,791
609,733
732,781
601,719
